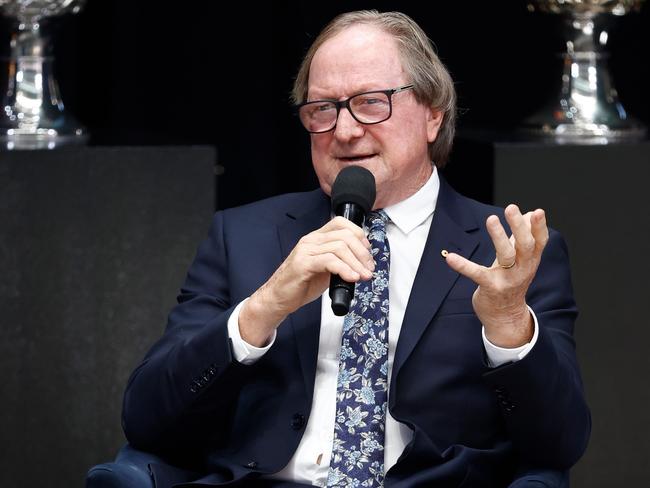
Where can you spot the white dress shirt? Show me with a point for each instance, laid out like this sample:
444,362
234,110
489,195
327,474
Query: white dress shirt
407,233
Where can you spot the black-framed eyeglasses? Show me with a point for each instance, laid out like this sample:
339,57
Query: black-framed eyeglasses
370,107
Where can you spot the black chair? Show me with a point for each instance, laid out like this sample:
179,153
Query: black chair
131,470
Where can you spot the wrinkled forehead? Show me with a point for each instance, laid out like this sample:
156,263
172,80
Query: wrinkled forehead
359,58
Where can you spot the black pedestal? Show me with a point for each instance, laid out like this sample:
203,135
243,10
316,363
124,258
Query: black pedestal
598,197
94,243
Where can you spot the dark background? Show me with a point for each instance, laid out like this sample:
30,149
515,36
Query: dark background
214,73
198,71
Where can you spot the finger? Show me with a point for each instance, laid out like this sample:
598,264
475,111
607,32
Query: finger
359,248
539,229
502,245
331,233
330,263
475,272
343,223
341,250
524,241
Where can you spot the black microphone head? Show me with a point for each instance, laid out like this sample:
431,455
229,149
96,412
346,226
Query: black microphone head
354,184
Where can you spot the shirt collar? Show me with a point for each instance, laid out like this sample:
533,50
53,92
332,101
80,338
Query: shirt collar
410,213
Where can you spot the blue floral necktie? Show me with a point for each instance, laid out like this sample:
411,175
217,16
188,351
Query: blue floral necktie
362,389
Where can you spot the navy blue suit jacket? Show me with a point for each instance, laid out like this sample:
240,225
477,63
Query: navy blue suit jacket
222,421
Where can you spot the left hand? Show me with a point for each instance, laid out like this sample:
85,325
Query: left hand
500,299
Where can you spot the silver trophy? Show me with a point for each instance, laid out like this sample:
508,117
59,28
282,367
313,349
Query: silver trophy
587,110
33,115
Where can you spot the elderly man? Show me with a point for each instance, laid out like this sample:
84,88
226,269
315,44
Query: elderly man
463,374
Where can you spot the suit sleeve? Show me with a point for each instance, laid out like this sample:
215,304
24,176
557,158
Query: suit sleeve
542,396
184,390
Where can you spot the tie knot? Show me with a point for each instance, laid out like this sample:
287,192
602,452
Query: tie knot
376,220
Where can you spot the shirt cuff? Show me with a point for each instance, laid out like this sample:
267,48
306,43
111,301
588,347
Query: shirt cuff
496,356
242,350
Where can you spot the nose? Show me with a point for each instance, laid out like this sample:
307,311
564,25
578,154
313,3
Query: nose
347,128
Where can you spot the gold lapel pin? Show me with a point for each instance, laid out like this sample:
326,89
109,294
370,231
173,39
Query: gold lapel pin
444,253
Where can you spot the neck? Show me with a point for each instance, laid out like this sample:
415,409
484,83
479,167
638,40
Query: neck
388,198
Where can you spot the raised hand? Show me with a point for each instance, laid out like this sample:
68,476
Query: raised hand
500,299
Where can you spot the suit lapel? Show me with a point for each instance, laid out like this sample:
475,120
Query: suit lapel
434,278
305,321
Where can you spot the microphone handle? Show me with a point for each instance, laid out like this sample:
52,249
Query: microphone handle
342,292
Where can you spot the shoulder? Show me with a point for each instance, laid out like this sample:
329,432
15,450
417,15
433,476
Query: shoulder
276,209
466,211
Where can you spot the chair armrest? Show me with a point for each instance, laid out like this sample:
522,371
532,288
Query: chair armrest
541,478
129,470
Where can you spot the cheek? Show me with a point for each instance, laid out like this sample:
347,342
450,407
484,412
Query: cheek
323,166
318,153
406,142
418,128
417,136
412,126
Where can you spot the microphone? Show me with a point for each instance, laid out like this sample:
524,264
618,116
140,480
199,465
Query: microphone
353,196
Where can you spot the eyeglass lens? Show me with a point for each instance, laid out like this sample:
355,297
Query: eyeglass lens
367,108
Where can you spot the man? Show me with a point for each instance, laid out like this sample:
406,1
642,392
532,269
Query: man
472,384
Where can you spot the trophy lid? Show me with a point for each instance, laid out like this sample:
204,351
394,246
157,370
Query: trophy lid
33,11
585,7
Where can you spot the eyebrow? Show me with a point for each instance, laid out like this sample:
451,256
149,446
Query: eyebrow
356,92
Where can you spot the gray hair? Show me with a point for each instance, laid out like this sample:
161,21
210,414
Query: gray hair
432,82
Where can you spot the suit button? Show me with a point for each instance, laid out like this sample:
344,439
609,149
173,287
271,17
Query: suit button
297,421
252,465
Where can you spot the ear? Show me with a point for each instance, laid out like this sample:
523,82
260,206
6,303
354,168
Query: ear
434,121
